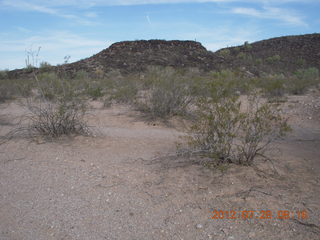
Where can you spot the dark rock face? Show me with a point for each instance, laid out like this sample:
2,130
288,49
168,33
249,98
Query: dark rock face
135,56
276,55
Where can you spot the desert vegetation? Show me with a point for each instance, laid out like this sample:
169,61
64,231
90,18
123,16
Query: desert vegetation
228,132
233,119
56,109
234,114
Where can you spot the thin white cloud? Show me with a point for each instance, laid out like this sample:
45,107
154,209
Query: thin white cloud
22,29
88,4
54,46
271,13
50,7
91,14
29,6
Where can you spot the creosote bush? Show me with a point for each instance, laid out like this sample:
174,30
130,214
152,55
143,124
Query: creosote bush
227,132
273,59
57,119
13,88
261,123
57,110
273,86
122,90
304,79
168,94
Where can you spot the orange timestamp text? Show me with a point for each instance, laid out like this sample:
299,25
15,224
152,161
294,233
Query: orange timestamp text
259,214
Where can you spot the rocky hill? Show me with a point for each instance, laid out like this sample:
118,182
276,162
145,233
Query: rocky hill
276,55
135,56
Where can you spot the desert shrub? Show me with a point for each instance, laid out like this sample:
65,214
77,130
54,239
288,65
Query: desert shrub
236,49
7,90
6,93
272,86
82,75
226,132
260,125
168,95
55,119
13,88
155,74
89,87
303,79
121,90
57,109
241,55
52,87
224,52
3,74
99,73
237,82
95,92
273,59
215,129
44,66
247,45
301,62
258,61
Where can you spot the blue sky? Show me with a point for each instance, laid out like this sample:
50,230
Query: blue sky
80,28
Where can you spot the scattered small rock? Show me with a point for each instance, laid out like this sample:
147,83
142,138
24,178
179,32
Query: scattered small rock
252,235
199,226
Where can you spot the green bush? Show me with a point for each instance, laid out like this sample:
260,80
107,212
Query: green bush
214,130
273,59
95,92
13,88
237,82
225,132
258,61
59,109
247,45
260,125
52,87
44,66
303,80
168,95
224,52
273,86
4,74
241,55
121,90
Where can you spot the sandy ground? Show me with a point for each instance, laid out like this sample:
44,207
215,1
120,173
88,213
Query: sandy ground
121,185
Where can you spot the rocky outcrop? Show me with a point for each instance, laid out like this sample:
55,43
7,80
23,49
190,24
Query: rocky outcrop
276,55
136,56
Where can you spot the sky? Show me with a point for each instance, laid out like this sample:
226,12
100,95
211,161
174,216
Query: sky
80,29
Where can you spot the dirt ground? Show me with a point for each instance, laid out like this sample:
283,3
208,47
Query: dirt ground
124,184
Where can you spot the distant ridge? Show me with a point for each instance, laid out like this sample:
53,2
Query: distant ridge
276,55
279,55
